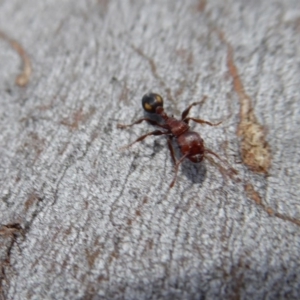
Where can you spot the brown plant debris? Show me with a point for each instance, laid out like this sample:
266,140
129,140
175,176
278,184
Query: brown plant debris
201,5
253,194
78,117
10,229
255,150
32,199
23,78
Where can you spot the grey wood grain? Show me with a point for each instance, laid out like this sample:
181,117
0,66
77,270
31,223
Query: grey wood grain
82,220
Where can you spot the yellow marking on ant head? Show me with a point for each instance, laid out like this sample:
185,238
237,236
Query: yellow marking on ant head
158,99
147,106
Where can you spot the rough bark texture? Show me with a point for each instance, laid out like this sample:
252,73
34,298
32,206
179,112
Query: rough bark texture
82,220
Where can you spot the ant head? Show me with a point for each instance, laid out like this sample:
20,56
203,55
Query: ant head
151,101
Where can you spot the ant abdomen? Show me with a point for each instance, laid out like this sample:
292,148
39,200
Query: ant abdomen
151,101
192,145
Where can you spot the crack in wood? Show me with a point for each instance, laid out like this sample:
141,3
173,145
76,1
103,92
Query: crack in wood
153,68
254,195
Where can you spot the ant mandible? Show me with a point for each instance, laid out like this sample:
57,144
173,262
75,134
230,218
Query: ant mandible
190,143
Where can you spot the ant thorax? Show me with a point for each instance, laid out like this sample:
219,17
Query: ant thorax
177,127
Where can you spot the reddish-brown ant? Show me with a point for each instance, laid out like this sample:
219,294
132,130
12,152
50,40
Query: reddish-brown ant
190,143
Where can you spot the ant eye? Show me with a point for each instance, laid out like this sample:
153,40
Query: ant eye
151,101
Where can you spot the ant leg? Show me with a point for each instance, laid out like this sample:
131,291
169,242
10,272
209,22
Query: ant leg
152,122
201,121
187,110
213,162
155,132
176,169
171,150
230,171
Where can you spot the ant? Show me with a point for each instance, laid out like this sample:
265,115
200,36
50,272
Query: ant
190,143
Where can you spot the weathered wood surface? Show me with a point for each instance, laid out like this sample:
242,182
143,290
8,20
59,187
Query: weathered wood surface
82,220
